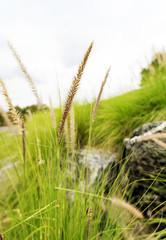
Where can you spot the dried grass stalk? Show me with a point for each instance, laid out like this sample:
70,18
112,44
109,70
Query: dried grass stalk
99,95
39,152
67,134
23,142
5,117
89,216
127,207
29,115
1,238
160,143
13,112
161,210
69,130
72,129
52,114
40,160
155,137
73,91
28,77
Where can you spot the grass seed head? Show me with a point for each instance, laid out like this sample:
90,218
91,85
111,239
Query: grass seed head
89,217
28,77
5,117
73,91
99,95
13,112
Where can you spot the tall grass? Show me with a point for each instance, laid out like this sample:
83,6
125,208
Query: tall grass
50,204
73,91
46,201
117,117
27,75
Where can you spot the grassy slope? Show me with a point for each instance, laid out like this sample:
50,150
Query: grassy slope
117,117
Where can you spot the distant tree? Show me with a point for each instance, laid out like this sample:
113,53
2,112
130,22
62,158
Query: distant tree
157,66
21,111
24,112
32,108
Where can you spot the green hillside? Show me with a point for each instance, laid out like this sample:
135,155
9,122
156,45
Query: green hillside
117,117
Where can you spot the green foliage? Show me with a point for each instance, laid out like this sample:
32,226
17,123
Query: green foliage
46,201
157,68
43,199
117,117
32,108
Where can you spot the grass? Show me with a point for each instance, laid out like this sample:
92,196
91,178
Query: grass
45,199
117,117
39,204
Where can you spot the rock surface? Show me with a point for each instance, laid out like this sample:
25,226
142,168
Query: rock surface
96,160
146,152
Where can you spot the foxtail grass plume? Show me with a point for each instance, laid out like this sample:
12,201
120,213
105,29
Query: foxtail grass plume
69,130
89,216
116,202
73,91
52,113
13,112
72,129
23,142
28,77
67,134
99,95
5,117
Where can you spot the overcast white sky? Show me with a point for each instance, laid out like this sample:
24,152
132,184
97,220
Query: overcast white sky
52,36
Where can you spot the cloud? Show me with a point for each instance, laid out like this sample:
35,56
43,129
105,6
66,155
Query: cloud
52,36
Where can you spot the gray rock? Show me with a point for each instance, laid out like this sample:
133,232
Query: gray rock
96,160
146,168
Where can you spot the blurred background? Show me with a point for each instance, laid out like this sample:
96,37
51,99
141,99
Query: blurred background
52,36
